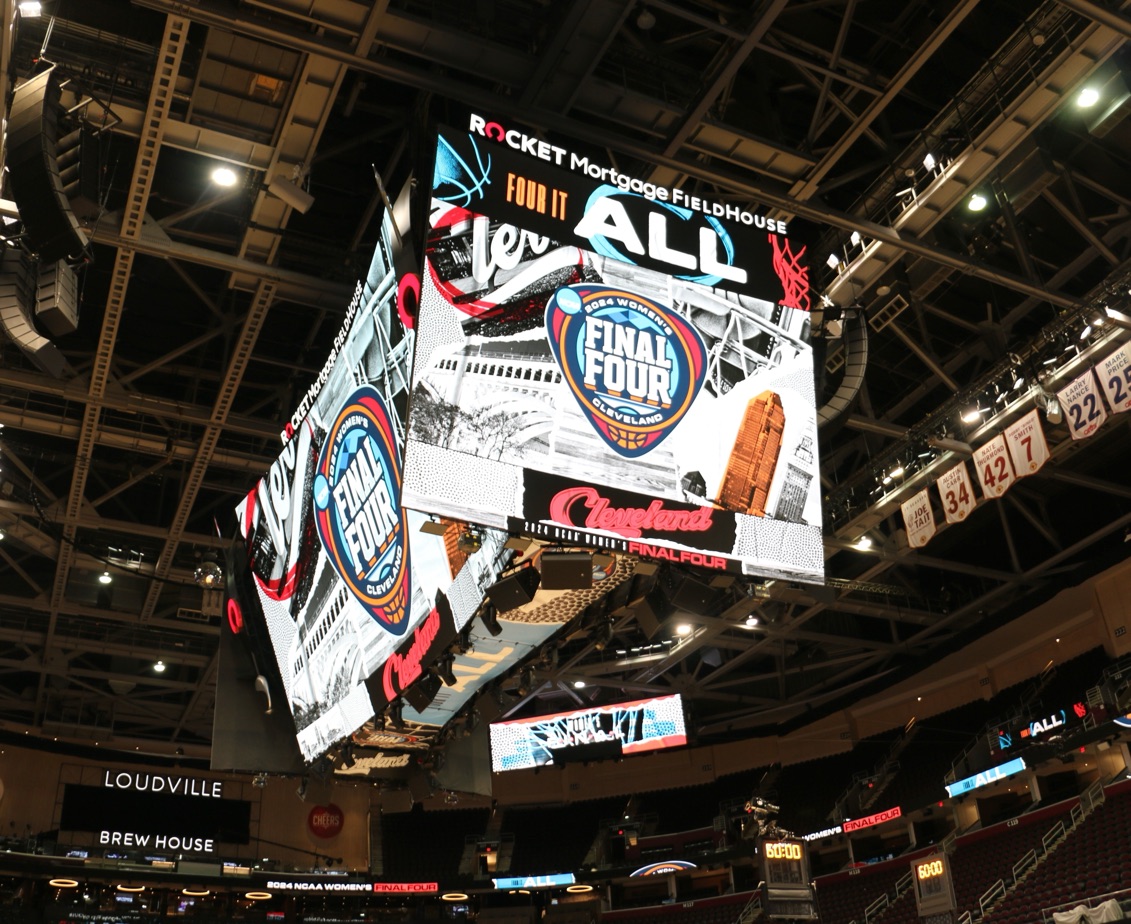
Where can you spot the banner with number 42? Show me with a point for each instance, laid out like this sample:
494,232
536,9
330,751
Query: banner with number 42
995,471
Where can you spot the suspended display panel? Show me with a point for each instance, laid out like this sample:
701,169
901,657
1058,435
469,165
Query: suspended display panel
608,363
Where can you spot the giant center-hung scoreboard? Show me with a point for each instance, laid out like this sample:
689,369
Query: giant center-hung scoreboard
608,363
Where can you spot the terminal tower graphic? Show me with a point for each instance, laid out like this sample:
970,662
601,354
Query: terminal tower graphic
750,469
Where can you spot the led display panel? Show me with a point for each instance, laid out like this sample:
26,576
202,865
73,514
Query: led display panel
640,725
612,364
342,576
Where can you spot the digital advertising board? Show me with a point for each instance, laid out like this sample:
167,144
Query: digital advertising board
612,364
639,726
340,573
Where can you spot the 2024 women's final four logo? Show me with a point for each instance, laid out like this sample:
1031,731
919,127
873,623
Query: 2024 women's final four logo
357,501
634,366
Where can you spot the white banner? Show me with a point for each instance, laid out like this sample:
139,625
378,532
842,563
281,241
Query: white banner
1083,409
957,493
918,519
1115,377
995,472
1027,446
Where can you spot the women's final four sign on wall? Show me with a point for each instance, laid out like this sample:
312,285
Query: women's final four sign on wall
605,362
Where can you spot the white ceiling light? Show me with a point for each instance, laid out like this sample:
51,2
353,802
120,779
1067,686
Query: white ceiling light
1087,98
104,578
224,176
976,202
159,667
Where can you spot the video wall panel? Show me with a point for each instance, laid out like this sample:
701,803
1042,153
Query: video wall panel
641,725
342,575
609,363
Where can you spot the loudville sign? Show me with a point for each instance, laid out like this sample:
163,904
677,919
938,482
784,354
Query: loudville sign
163,783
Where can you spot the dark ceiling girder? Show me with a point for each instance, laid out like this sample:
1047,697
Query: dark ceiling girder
209,14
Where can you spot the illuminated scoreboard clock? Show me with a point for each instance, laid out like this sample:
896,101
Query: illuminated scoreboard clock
785,871
934,888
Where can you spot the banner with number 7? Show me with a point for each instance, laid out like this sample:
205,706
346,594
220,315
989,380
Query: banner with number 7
1115,377
1083,408
1027,445
995,472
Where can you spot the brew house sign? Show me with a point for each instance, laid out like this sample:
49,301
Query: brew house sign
166,784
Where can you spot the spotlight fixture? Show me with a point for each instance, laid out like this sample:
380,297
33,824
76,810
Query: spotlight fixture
832,261
897,472
394,714
863,543
854,238
1,535
444,670
1086,332
292,194
1087,98
751,621
104,578
489,616
469,542
159,667
224,176
580,684
683,629
929,161
31,9
976,203
973,415
646,20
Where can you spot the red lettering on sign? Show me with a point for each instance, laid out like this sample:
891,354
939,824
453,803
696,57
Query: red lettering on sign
627,521
878,818
401,670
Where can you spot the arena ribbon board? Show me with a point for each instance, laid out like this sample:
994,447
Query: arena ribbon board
340,573
608,363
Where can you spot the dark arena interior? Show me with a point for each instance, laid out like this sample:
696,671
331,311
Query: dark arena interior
706,502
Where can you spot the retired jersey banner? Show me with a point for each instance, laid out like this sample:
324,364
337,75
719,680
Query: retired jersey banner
1027,446
918,519
957,493
1084,411
1115,377
611,363
995,471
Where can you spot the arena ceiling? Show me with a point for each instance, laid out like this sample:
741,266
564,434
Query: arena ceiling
205,314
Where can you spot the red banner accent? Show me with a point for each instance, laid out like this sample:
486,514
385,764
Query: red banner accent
878,819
